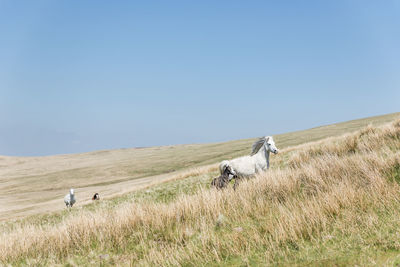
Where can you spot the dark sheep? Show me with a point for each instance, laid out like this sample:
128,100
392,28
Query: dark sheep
96,196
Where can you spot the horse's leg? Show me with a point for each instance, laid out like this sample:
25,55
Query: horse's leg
222,183
225,182
219,186
236,184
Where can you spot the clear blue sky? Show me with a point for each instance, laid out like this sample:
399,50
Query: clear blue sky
77,76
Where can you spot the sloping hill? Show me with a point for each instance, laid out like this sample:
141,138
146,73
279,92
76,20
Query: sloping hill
330,202
32,185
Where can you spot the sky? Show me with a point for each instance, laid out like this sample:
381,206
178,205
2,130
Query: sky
78,76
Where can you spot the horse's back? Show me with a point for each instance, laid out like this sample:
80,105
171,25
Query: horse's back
243,166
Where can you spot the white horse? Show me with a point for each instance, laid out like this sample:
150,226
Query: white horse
256,162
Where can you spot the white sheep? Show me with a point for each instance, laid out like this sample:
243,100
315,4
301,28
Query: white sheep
70,199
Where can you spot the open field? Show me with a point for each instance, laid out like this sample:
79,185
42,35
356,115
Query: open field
34,185
330,202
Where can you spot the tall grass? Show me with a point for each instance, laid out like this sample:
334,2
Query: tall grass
327,199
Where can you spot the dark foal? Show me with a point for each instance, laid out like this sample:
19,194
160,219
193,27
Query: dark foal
223,180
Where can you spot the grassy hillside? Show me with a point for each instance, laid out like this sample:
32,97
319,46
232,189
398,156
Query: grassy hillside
34,185
330,202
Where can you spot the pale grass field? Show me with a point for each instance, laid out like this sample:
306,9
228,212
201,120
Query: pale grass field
36,185
334,202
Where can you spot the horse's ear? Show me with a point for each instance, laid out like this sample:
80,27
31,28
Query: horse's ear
267,138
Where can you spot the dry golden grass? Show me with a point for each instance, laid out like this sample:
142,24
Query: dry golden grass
35,185
326,200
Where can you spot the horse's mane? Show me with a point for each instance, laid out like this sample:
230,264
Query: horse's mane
258,144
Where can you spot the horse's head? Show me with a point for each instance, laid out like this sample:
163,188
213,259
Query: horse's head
71,191
270,145
229,170
226,168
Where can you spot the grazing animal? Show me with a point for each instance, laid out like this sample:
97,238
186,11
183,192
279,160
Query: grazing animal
256,162
223,180
70,199
96,196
